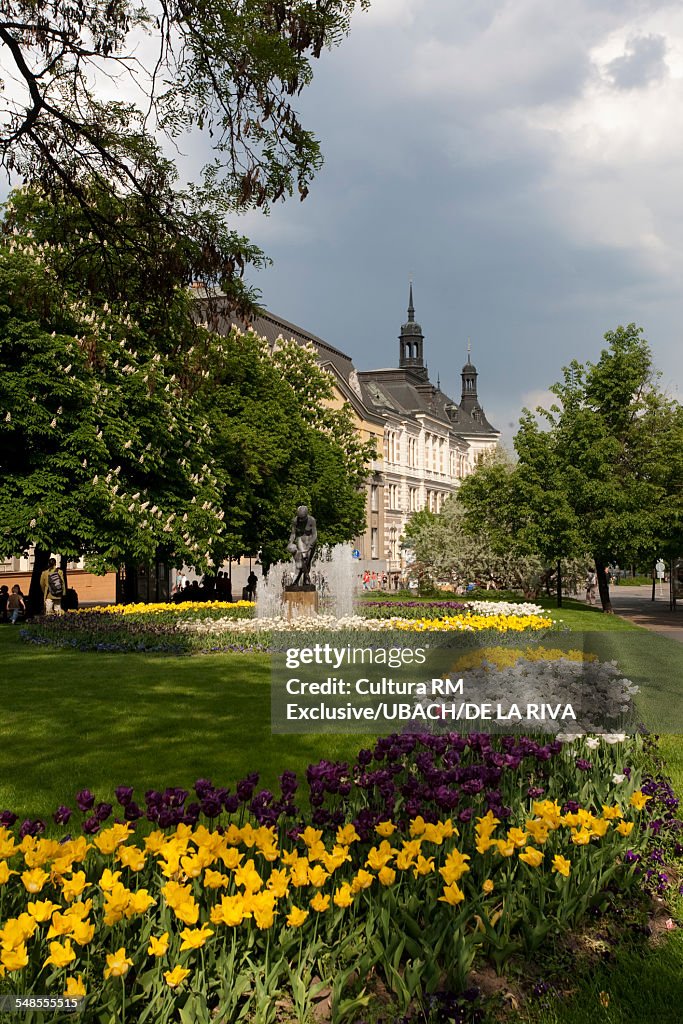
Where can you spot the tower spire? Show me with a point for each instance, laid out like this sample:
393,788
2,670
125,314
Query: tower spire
411,341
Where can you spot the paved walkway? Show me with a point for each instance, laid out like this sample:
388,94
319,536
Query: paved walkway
636,604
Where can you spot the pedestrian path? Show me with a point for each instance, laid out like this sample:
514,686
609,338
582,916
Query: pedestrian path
636,605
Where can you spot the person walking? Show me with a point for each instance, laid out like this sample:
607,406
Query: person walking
53,588
591,584
16,606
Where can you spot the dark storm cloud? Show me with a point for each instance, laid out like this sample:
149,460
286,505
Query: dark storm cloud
642,63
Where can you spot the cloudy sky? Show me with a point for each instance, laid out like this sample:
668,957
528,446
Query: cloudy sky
521,160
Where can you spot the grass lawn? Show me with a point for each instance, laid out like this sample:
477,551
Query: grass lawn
641,985
75,720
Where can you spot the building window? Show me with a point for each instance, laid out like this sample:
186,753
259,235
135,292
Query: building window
374,542
374,501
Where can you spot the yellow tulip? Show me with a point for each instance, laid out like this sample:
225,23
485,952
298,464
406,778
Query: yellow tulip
60,955
386,876
452,895
561,865
317,876
311,835
41,910
363,880
107,841
131,857
296,917
320,902
33,881
343,897
346,834
109,879
158,945
195,938
14,959
139,903
75,988
624,828
83,932
638,800
385,828
424,866
187,911
176,976
5,872
488,887
532,857
117,964
74,886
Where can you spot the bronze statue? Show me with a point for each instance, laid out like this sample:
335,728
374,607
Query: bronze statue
302,542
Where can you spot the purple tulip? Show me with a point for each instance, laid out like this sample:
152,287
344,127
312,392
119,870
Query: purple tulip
85,799
91,826
124,794
102,811
7,819
61,815
31,828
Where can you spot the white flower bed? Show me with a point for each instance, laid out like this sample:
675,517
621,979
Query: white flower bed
598,693
504,608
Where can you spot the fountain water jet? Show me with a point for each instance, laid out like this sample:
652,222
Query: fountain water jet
335,578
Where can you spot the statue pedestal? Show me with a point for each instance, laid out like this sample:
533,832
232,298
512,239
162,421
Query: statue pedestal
300,602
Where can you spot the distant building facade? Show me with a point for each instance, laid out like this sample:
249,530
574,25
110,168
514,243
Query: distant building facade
425,441
430,441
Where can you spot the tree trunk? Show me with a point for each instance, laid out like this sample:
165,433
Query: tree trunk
559,584
603,586
62,565
36,604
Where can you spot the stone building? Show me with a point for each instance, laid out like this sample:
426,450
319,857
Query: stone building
426,442
430,441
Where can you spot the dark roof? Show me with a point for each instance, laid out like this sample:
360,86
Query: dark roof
403,393
271,327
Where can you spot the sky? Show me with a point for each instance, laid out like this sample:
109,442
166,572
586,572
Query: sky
522,161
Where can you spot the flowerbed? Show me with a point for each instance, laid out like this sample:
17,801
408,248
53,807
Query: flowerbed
511,677
424,854
444,609
181,631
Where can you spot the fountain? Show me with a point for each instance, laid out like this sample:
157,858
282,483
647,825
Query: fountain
334,577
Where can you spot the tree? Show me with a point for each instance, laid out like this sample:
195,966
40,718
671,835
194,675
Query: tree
133,431
605,473
522,506
447,547
103,449
231,68
277,443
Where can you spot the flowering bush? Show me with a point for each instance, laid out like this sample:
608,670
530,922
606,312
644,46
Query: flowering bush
198,918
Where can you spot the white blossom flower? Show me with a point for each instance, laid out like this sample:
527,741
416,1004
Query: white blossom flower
617,779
